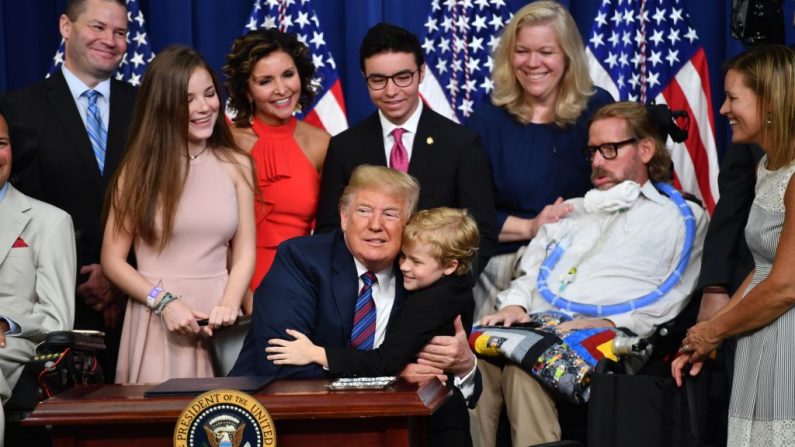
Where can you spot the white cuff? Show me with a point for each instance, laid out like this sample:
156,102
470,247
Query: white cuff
467,383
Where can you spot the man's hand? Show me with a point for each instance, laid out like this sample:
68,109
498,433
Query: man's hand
451,354
507,316
3,329
416,373
96,291
585,323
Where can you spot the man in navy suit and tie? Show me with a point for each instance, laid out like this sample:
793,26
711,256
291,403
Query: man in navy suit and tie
314,284
77,127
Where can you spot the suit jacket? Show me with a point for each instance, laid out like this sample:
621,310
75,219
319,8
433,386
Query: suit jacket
63,170
37,276
727,260
312,288
447,159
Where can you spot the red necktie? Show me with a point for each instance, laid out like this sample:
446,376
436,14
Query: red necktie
399,158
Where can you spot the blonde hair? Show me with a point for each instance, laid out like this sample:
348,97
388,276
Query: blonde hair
769,70
382,179
641,125
451,233
575,86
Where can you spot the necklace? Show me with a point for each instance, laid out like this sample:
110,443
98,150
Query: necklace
556,250
193,157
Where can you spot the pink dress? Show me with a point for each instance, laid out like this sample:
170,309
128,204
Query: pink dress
290,187
193,266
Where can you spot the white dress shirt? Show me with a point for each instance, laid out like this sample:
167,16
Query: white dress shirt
410,126
618,257
77,88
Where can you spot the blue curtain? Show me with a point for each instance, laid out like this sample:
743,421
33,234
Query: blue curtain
29,35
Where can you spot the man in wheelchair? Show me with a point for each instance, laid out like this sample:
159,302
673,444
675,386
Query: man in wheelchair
627,255
37,274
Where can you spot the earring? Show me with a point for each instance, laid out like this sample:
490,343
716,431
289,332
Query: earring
769,119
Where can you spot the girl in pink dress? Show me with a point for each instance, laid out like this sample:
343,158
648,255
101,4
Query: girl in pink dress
183,197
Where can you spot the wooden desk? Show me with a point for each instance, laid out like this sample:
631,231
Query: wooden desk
305,413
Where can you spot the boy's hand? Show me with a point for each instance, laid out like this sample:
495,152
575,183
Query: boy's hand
298,352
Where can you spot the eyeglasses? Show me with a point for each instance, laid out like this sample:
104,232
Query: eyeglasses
401,79
609,151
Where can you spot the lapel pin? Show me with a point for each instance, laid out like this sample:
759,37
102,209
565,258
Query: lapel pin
429,141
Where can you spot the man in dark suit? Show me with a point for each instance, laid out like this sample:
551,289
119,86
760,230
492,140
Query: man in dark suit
446,158
78,139
315,282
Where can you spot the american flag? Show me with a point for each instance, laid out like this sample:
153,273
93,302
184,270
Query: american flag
139,51
458,42
647,51
327,111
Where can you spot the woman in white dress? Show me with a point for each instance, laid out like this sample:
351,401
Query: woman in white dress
760,105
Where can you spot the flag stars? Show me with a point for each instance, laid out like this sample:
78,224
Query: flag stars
653,79
623,59
135,79
140,18
447,24
672,57
657,37
317,39
427,45
617,18
58,58
634,80
676,15
673,36
611,59
473,65
140,38
444,44
479,23
613,39
476,44
252,24
626,39
601,18
269,23
466,107
487,85
302,20
137,59
493,42
496,22
430,25
659,16
596,40
317,61
691,35
628,16
441,67
655,58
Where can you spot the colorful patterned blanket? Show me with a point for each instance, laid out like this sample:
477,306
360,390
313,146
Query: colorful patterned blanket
561,361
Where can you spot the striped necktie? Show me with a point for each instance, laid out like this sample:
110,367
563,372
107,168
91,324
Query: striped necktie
363,333
96,130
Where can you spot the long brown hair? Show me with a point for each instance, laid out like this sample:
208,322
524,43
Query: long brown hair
152,174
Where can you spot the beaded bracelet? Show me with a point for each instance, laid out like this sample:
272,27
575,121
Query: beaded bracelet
167,298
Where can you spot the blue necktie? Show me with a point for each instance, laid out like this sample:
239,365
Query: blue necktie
363,333
96,130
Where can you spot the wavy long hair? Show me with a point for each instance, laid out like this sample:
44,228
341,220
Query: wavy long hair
246,52
148,185
575,86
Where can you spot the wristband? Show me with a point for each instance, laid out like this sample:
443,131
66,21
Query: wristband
152,296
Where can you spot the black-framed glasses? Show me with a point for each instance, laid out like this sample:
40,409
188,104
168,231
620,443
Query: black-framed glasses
401,79
609,151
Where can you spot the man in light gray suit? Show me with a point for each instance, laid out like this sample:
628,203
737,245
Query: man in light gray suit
37,274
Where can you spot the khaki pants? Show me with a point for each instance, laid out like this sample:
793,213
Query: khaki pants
532,413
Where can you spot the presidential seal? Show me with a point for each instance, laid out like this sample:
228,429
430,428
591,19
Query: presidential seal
225,418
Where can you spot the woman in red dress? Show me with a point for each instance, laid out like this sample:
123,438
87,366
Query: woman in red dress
269,77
